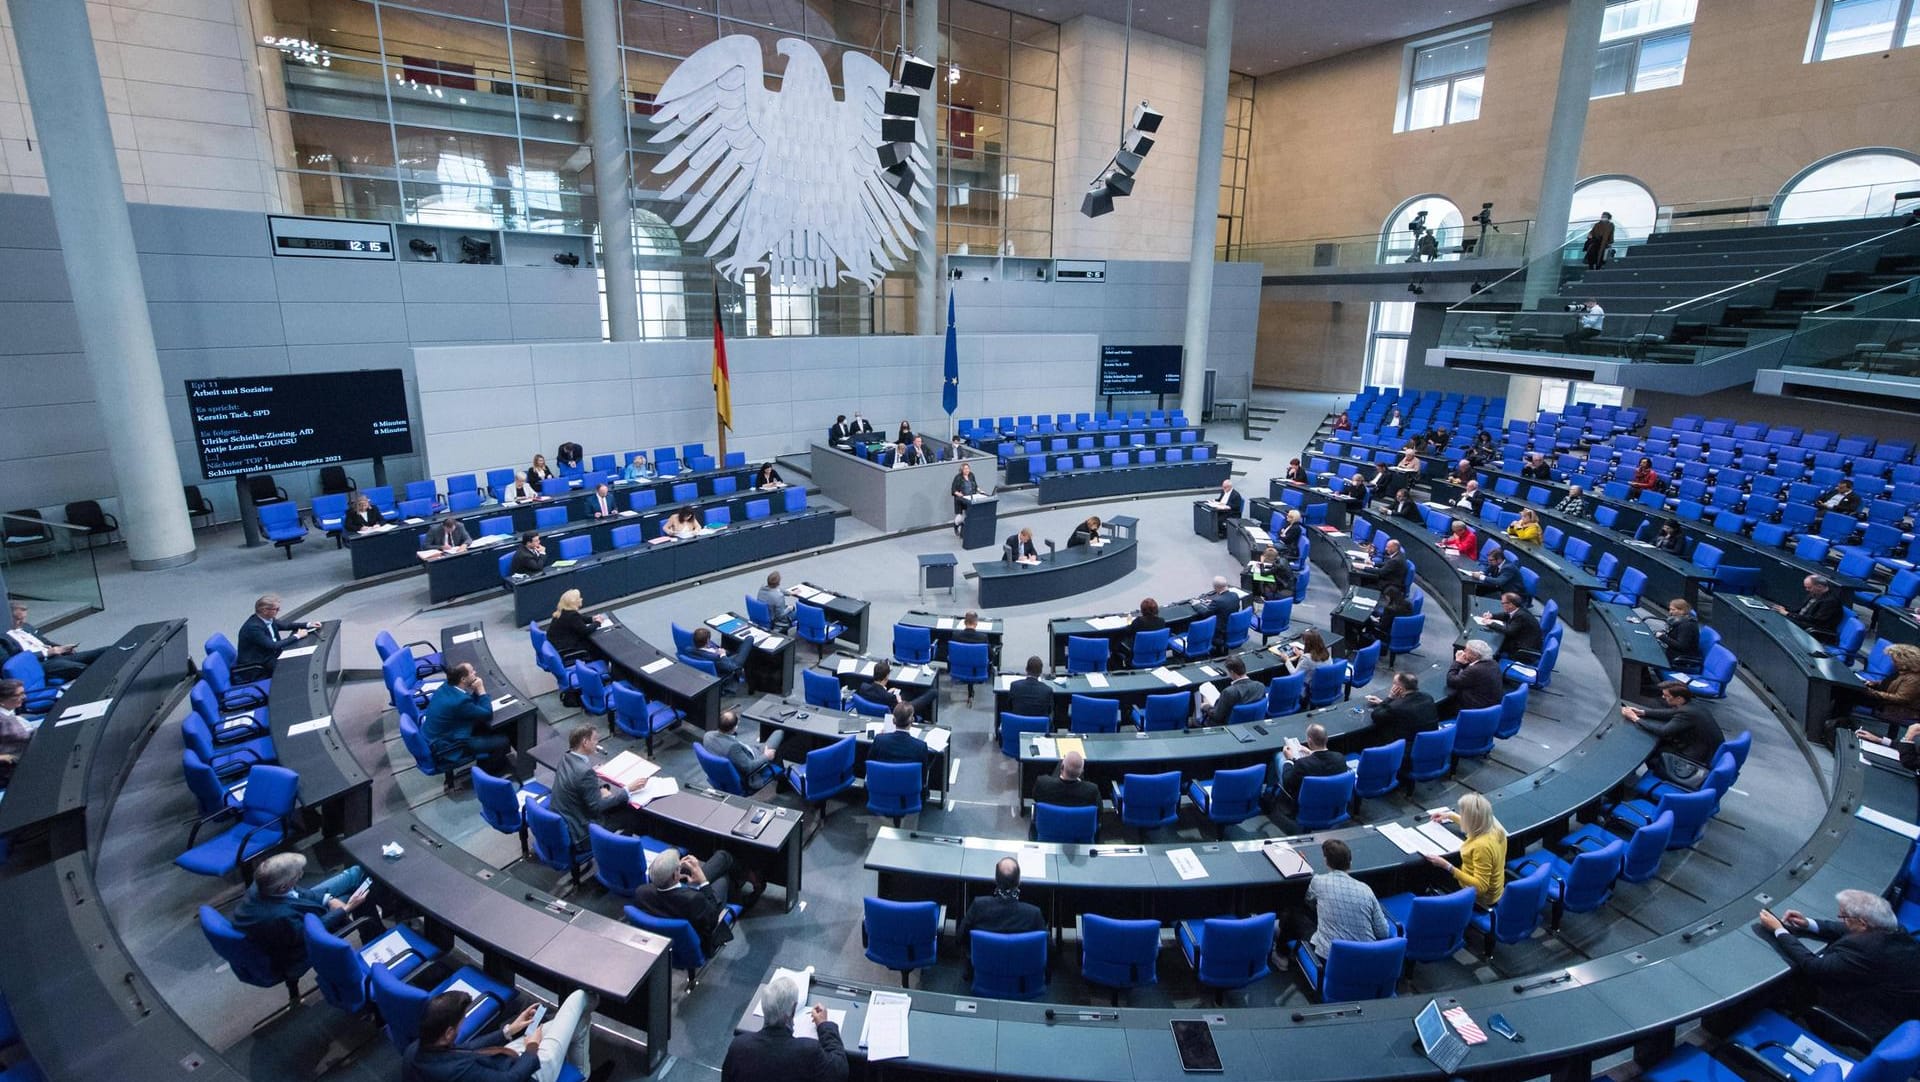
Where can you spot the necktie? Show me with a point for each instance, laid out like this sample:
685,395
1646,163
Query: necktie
273,633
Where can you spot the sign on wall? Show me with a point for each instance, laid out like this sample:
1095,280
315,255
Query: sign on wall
1080,270
329,238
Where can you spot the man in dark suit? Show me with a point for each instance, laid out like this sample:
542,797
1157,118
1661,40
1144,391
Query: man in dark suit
773,1051
1391,568
602,504
579,796
757,765
1473,680
859,424
1471,498
1682,636
1316,760
1522,639
1002,911
1065,787
1240,688
724,664
1820,613
876,690
899,745
454,717
1405,713
1030,696
1019,549
1229,501
1869,972
1689,736
969,631
450,535
1406,507
687,888
530,558
1500,576
1841,497
272,913
1219,603
60,661
264,635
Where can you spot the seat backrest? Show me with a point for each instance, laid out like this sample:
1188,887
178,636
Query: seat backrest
1086,654
830,765
1437,925
1641,861
1357,970
1893,1059
1235,949
250,964
1475,729
1406,631
1056,823
969,660
688,954
902,934
337,967
1236,792
720,772
1517,913
202,782
1433,750
1324,800
1736,746
1200,634
1009,966
1284,694
894,788
1091,714
822,689
1151,798
1378,770
1119,953
619,862
1149,647
499,801
552,844
1328,682
1719,665
1014,726
1589,881
1513,712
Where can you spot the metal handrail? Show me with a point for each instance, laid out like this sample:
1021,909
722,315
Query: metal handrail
1785,270
1905,284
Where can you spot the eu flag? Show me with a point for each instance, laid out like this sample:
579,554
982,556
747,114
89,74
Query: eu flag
950,395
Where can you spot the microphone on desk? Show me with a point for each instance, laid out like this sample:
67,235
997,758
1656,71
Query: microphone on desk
551,903
1085,1016
1051,547
430,839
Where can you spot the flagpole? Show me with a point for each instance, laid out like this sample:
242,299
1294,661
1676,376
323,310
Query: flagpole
722,381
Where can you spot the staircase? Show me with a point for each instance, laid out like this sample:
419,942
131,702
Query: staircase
1258,421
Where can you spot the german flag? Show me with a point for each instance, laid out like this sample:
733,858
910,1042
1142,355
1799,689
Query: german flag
722,383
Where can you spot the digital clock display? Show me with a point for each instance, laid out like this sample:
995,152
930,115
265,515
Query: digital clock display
333,244
330,238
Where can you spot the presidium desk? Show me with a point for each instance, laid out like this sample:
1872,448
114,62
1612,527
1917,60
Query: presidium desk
1058,574
892,499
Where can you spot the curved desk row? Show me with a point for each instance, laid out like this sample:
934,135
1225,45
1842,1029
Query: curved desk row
662,676
1283,495
1088,484
307,739
843,609
1059,574
1562,581
810,727
943,626
382,551
1449,578
1808,682
513,712
1113,627
620,572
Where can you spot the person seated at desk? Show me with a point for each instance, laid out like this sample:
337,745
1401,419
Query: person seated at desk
1481,451
538,471
1087,533
517,1050
1019,549
1002,911
1240,689
1841,497
876,690
1689,736
1291,531
1392,568
1483,856
1575,503
523,490
1342,422
579,796
682,523
15,733
1296,474
449,537
773,1051
1681,636
1220,603
1442,437
725,664
969,631
1670,538
1305,653
569,456
638,469
60,660
1820,613
1536,468
273,911
1526,528
1409,467
838,432
768,478
918,453
1030,696
361,513
1645,477
1461,541
1229,501
1522,639
262,637
898,744
1314,760
1499,576
758,765
859,424
530,557
601,503
906,433
1473,680
1463,472
1065,787
453,720
1868,974
1896,699
1269,576
570,630
1403,714
1355,488
1339,907
687,888
1404,506
1392,605
1471,498
779,605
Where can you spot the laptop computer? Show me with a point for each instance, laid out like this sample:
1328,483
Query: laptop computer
1443,1047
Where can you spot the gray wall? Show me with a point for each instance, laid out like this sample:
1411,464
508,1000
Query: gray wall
1428,322
1141,303
222,305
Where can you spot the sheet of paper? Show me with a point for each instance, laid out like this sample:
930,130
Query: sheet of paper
1411,841
1109,623
801,591
298,651
1890,822
463,986
470,636
768,641
938,739
802,980
1818,1055
1033,862
1004,681
313,726
1440,836
824,599
1169,677
885,1033
1208,694
1880,750
627,769
655,666
83,712
1044,748
1750,602
947,623
503,702
1187,863
804,1029
1097,679
657,786
385,949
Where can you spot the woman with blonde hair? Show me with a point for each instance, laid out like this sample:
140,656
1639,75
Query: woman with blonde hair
570,629
1526,527
1897,701
1483,856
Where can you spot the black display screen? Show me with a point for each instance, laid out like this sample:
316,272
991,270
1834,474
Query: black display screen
333,244
260,423
1140,369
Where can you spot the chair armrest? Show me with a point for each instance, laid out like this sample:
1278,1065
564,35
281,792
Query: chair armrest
1834,1029
194,834
1751,1058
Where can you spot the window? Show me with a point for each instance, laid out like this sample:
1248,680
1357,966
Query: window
1631,204
1440,241
1857,184
1445,82
1558,394
1643,46
1852,27
1391,324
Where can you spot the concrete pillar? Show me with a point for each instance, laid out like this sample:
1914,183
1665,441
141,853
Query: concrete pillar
926,260
607,128
1561,169
55,47
1206,206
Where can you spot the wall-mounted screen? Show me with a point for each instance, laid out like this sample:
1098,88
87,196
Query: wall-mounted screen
261,423
1140,369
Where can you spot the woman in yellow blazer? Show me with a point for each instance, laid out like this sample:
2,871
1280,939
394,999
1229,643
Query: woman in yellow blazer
1526,527
1483,856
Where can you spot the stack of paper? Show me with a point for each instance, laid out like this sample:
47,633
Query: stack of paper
1033,862
947,623
802,591
656,665
803,1027
1447,840
1169,677
657,786
885,1034
1004,681
1097,679
1109,623
627,770
1044,748
1187,863
802,981
938,739
1208,693
1411,841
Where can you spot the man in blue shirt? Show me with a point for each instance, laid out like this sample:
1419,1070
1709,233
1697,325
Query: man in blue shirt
454,717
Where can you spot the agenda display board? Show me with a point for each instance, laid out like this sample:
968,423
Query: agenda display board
254,424
1140,370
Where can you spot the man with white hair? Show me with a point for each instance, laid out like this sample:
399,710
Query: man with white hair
1869,972
275,906
1219,603
774,1052
263,635
687,888
1473,680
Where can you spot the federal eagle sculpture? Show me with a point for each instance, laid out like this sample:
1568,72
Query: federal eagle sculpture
788,183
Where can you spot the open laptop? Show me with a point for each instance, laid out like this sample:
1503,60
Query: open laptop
1440,1043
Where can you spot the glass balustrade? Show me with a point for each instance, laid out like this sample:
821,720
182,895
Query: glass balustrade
1450,244
51,567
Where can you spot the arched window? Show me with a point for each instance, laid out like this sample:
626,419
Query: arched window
1856,184
1628,200
1444,221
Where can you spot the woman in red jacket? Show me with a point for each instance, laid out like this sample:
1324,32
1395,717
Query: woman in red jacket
1461,539
1644,477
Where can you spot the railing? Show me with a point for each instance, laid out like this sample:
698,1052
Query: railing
50,566
1453,243
1797,207
1876,335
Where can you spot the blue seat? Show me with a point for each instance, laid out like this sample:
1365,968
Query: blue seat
634,714
811,624
1632,582
912,645
1719,779
1435,926
1149,648
1247,713
1275,617
552,843
1691,814
401,1004
1581,885
893,789
330,514
1515,916
827,772
1538,674
1362,666
1146,801
210,791
575,548
1286,694
868,708
500,804
1227,953
1768,1035
1513,712
1641,860
343,973
1432,755
1474,729
1015,726
1197,642
688,952
1327,683
425,663
720,772
1009,966
1119,954
1230,796
1404,636
1325,801
1239,626
1354,970
1086,654
1377,770
248,961
549,518
969,663
1055,823
255,828
280,523
620,860
823,689
1166,711
902,936
1090,714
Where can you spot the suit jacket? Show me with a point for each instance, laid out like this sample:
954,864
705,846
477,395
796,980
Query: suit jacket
1015,549
357,521
1872,979
526,562
448,723
1053,789
838,433
1820,615
273,923
1289,540
601,506
576,798
1403,718
777,1053
442,536
1542,472
778,604
1472,501
1245,690
1080,536
896,746
1393,568
1523,638
1477,685
1319,764
466,1062
1682,640
1030,697
1845,503
963,487
261,641
1410,510
569,632
1236,504
992,913
875,692
698,906
914,456
860,424
1688,731
1220,606
1504,580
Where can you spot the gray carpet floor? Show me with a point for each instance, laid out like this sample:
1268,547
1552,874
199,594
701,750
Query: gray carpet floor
153,902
